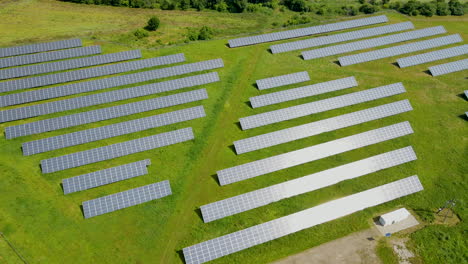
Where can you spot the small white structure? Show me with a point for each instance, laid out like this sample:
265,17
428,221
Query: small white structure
394,217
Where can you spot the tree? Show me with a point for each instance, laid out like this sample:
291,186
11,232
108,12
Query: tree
350,10
205,33
427,9
409,8
296,5
153,23
368,9
442,9
456,8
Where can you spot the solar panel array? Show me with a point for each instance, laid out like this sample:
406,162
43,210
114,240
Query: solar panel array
78,159
109,131
95,85
68,64
449,67
372,43
117,201
103,114
301,32
301,92
49,56
255,235
283,80
40,47
301,156
76,75
398,50
322,126
106,176
264,196
342,37
107,97
432,56
292,112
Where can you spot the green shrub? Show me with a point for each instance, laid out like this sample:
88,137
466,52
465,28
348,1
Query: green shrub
368,9
140,33
153,23
350,10
442,9
427,9
205,33
456,8
297,20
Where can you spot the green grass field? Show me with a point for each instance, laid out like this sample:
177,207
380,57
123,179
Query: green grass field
48,227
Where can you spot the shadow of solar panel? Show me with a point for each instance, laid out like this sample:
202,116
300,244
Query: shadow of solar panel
117,201
321,126
309,183
297,111
301,32
301,156
78,159
398,50
255,235
432,56
283,80
449,67
95,85
40,47
49,56
113,130
104,177
104,114
68,64
372,43
342,37
87,73
107,97
302,92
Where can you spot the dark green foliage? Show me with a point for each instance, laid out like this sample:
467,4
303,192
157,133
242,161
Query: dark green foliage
296,5
140,33
410,7
395,5
368,9
297,20
203,33
456,8
427,9
442,9
153,23
350,10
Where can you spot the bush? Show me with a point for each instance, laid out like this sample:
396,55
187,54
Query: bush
167,5
140,33
297,5
153,23
350,10
297,20
368,9
427,9
203,33
456,8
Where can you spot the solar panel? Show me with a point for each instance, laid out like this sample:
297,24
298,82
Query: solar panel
372,43
117,201
268,231
49,56
305,155
68,64
40,47
283,80
301,92
398,50
106,97
103,114
326,40
432,56
97,71
309,183
121,149
466,94
292,112
106,176
302,32
109,131
322,126
449,67
94,85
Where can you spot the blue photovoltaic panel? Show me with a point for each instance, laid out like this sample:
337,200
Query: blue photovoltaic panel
107,97
309,183
126,199
301,32
316,152
283,226
398,50
449,67
283,80
109,131
68,64
104,114
301,92
106,176
297,111
49,56
311,129
342,37
87,73
432,56
372,43
76,88
116,150
40,47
